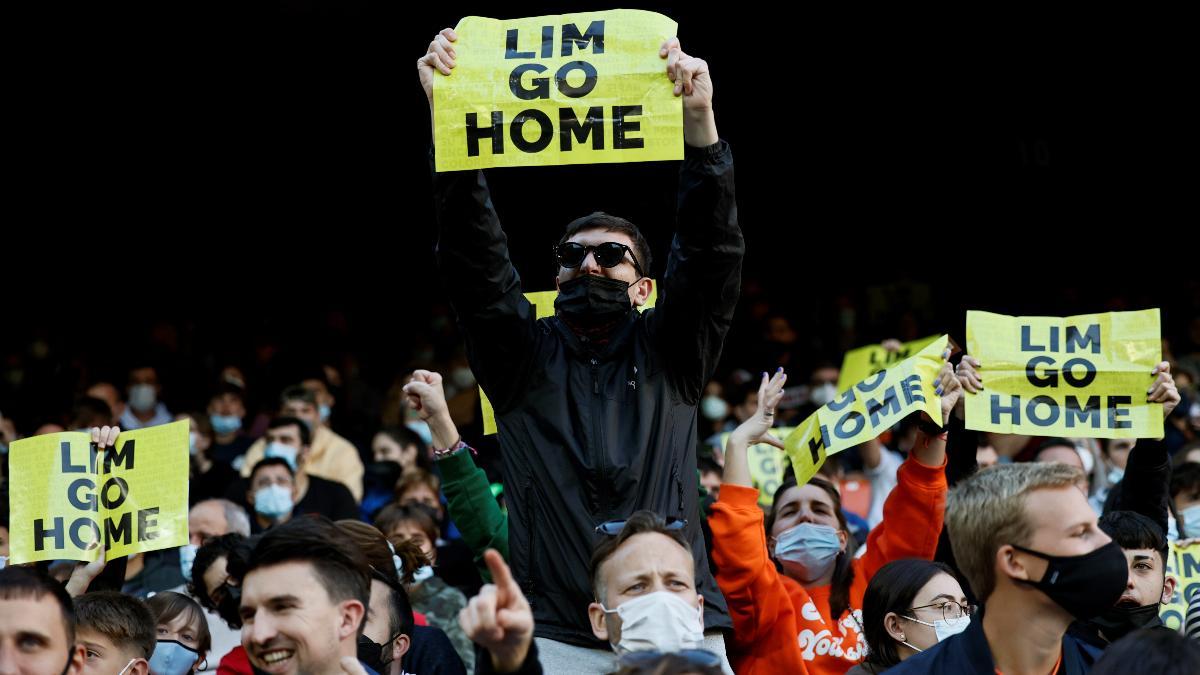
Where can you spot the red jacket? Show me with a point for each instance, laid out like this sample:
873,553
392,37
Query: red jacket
778,625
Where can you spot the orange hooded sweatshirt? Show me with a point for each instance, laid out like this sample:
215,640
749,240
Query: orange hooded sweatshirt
778,625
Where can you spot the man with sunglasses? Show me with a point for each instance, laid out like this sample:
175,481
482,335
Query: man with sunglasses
596,406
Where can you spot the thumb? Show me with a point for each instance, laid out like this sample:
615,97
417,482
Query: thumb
770,439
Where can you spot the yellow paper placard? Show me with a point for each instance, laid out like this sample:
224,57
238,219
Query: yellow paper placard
543,304
1184,565
767,464
583,88
860,363
72,500
866,409
1075,376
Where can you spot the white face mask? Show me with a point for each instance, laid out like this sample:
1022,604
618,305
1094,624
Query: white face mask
714,408
658,621
942,628
187,556
143,397
823,394
1191,520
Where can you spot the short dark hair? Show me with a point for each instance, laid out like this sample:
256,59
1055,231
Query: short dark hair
708,465
123,619
229,546
339,565
1150,650
1132,530
893,589
91,412
287,421
269,461
400,612
21,583
405,437
1185,477
297,392
166,606
224,387
419,514
609,223
638,523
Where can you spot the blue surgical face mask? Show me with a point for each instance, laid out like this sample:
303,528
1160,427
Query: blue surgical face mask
224,425
273,501
285,452
172,658
422,429
187,556
192,443
943,628
1115,475
1191,520
811,546
714,408
324,411
143,397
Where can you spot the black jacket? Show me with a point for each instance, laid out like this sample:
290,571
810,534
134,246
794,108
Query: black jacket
589,435
968,653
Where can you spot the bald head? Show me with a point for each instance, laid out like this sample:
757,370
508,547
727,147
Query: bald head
215,517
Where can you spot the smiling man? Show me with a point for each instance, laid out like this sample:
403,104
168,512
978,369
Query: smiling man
304,596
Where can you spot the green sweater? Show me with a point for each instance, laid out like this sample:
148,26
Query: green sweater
473,508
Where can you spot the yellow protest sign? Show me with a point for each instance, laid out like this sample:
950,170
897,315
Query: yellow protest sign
862,362
1076,376
1184,565
582,88
767,464
543,304
74,501
866,409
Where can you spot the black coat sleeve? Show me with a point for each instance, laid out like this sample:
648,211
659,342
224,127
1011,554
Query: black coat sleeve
703,277
1145,489
484,287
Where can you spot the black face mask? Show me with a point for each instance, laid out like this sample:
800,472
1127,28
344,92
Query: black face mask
229,607
370,653
1085,585
1119,621
593,299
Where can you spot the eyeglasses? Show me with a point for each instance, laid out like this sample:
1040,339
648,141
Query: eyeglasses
608,254
951,610
698,658
613,527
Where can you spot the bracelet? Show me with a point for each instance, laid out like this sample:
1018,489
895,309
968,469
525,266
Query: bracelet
446,452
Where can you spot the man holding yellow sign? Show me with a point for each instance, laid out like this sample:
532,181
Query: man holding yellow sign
87,496
596,405
1088,376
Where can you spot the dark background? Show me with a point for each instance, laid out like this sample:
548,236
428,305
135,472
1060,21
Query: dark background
191,185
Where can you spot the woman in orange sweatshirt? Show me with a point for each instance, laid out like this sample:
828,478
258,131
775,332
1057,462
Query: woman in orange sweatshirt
807,618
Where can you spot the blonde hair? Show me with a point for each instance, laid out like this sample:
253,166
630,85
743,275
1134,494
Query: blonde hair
987,511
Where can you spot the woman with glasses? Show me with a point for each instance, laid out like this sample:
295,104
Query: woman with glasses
910,606
795,594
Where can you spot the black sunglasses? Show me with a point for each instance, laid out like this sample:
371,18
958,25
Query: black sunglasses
695,657
613,527
609,254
